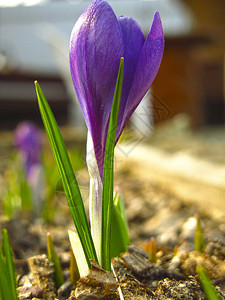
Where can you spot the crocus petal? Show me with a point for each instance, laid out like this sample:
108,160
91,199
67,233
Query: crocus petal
28,140
95,50
134,39
146,70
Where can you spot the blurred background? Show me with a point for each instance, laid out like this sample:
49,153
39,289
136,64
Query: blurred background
183,158
34,39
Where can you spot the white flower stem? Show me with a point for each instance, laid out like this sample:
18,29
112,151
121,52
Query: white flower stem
95,197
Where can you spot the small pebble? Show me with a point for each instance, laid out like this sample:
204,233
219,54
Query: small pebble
65,289
29,292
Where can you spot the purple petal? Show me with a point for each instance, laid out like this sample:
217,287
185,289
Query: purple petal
133,42
146,70
28,140
28,137
95,50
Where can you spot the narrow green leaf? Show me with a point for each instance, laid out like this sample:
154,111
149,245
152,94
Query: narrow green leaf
5,288
209,289
199,240
24,190
53,257
9,261
119,203
119,235
120,239
152,250
108,173
70,185
8,283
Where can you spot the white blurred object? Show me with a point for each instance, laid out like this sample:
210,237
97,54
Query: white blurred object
37,37
14,3
37,184
18,26
142,119
58,43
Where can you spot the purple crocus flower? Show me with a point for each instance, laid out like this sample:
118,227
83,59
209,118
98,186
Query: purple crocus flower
99,39
29,142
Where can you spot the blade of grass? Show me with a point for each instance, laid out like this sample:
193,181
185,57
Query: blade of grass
199,240
209,289
108,173
9,259
119,203
53,257
8,283
70,185
119,233
24,191
5,289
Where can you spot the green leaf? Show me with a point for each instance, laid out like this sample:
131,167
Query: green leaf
5,289
16,192
9,259
152,250
119,234
119,203
24,189
108,173
70,185
52,186
8,283
199,240
53,257
209,289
